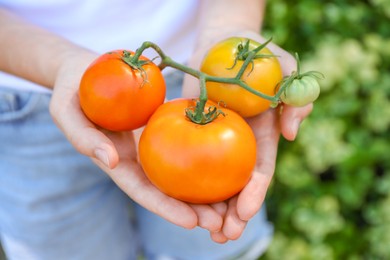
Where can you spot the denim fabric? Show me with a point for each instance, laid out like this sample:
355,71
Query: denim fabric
166,241
56,204
174,81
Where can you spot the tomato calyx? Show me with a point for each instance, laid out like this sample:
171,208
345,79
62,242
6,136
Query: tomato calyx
133,61
136,64
243,52
198,116
197,113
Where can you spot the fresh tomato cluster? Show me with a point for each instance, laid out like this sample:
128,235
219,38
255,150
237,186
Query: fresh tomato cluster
203,161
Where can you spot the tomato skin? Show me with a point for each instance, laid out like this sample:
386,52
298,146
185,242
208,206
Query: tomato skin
264,76
197,163
301,92
116,97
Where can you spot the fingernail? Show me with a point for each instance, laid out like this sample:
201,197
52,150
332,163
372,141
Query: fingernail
102,156
295,126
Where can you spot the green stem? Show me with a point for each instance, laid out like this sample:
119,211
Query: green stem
199,111
168,62
202,97
165,60
298,63
237,81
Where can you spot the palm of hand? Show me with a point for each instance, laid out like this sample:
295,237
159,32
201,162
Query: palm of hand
116,154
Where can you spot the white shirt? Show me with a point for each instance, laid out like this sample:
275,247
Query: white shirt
102,26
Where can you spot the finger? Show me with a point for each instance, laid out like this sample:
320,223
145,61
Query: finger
208,218
252,196
233,226
291,118
81,133
218,237
220,208
130,178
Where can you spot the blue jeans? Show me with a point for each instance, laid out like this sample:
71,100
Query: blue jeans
56,204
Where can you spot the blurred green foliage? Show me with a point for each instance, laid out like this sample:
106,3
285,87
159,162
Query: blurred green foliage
330,197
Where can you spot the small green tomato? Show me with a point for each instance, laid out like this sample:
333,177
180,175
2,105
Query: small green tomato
301,91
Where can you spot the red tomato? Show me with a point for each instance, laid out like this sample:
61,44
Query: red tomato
197,163
117,97
263,75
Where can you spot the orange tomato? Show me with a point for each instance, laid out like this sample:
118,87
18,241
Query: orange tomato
263,75
117,97
197,163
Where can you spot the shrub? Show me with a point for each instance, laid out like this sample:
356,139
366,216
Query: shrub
330,197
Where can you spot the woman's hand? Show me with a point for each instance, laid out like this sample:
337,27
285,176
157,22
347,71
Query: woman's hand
267,128
116,153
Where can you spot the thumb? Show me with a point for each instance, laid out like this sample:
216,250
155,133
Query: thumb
291,118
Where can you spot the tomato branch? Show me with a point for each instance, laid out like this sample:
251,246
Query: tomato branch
199,116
